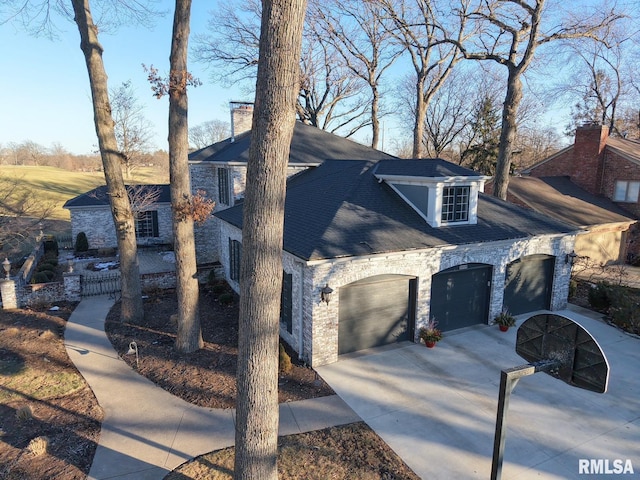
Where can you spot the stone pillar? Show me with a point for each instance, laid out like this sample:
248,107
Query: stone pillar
72,286
8,294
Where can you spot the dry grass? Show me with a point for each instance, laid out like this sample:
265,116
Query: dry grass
38,446
339,453
24,413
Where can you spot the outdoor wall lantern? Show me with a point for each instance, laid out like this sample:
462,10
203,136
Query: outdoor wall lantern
325,293
570,258
6,265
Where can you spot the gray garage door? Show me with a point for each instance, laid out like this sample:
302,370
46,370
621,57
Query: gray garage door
376,311
460,296
528,284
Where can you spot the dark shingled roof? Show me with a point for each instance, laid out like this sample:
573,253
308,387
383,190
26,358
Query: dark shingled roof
309,146
434,168
339,209
98,196
560,198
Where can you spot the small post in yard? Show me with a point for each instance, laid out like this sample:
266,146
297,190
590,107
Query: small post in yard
560,347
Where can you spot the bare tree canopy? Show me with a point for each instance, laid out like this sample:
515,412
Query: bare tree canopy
263,226
357,32
509,32
133,130
208,133
422,28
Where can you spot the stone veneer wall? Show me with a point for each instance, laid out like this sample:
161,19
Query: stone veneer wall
315,324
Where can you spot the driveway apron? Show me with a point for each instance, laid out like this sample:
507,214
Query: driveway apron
437,407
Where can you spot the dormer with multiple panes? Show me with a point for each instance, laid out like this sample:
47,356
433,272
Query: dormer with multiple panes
442,193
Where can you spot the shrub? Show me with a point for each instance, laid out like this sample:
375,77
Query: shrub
599,296
38,446
82,243
40,277
51,245
24,413
573,288
624,311
218,288
284,360
46,267
226,298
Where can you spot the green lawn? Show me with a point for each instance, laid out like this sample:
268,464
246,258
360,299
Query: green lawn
55,185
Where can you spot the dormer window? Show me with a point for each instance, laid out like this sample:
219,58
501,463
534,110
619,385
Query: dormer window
442,193
455,204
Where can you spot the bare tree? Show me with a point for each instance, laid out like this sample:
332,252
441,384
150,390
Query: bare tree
330,95
208,133
421,29
21,214
357,32
38,14
263,224
189,336
131,306
133,130
509,33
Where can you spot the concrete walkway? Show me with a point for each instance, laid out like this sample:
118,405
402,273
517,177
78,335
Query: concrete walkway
147,432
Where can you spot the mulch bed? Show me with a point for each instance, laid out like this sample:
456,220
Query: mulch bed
206,377
31,341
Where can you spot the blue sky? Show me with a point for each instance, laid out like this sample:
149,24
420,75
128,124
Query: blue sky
44,86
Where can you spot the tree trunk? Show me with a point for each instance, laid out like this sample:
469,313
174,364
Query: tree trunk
375,121
189,337
418,126
263,220
508,134
132,309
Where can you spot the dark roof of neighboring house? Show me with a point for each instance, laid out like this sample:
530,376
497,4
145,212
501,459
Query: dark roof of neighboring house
99,197
340,209
560,198
309,146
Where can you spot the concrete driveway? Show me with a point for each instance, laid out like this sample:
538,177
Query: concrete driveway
437,407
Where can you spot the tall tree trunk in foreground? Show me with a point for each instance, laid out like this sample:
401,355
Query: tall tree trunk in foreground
132,309
261,265
189,338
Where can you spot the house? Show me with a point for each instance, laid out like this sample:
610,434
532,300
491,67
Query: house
91,214
605,226
603,171
220,169
374,248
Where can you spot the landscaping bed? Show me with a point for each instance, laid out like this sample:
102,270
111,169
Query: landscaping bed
49,418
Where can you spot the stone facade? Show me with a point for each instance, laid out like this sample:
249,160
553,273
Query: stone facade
97,224
315,324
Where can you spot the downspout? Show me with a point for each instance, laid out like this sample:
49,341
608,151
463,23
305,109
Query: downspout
301,314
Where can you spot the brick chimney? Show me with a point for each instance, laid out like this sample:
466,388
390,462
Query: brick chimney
241,118
588,157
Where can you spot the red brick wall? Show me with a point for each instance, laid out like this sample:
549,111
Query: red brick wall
619,168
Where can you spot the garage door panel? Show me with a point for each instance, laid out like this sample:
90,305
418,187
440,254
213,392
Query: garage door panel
460,296
528,284
374,312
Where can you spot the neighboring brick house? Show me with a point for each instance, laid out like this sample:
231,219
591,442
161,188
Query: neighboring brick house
91,214
399,242
606,168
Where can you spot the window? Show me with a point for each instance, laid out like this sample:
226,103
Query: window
235,253
455,204
147,224
626,191
223,186
286,301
